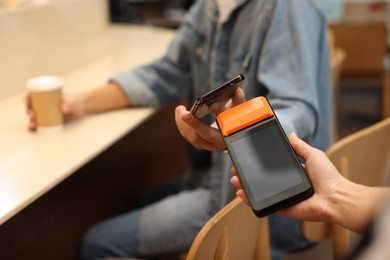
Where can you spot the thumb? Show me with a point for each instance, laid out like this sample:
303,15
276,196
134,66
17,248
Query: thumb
299,146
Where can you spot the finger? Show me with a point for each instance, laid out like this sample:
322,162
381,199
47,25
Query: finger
233,170
238,97
217,108
190,131
182,113
242,195
236,183
65,109
179,110
32,126
31,114
210,135
27,100
67,114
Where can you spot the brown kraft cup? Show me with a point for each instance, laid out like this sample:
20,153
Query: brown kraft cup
46,94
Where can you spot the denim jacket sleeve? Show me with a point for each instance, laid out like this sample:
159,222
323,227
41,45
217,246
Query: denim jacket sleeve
293,57
168,78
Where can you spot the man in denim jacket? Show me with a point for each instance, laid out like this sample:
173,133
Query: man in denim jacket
281,48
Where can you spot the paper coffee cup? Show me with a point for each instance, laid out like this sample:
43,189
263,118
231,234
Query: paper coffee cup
45,93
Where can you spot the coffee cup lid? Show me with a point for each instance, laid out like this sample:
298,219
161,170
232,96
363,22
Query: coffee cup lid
44,83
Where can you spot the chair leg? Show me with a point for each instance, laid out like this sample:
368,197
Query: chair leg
386,95
341,242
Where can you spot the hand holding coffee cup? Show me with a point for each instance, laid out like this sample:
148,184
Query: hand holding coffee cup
46,93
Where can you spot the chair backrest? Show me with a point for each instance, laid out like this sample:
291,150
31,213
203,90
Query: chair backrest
337,59
363,157
233,233
356,39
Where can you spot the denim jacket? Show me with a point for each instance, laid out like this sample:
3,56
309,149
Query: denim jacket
280,46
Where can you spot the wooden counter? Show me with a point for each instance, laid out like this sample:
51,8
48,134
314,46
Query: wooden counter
54,186
31,163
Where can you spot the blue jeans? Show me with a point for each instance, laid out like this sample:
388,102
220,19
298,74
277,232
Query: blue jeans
169,226
166,227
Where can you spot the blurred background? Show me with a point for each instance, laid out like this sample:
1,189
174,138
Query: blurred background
92,35
359,28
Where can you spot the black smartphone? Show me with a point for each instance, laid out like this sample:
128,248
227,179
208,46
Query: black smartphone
222,94
270,171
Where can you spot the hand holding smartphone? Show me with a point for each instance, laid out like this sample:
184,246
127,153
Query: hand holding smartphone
222,95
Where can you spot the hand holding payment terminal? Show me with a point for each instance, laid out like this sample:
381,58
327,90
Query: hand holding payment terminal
269,170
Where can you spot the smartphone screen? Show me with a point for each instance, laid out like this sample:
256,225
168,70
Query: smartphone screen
268,168
222,94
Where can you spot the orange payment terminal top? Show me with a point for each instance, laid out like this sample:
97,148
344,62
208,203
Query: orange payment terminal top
244,115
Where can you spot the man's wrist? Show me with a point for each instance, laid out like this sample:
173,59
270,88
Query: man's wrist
84,104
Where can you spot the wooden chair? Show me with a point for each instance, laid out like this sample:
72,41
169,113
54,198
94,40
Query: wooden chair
365,45
337,58
233,233
363,157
